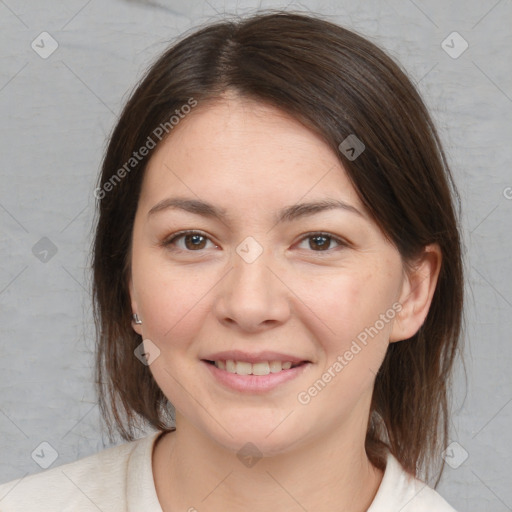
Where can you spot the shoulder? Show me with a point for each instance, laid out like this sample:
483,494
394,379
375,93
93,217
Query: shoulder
99,481
399,491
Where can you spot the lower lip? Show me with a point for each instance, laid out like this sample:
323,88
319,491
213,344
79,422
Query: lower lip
254,383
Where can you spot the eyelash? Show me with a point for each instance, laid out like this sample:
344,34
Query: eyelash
168,242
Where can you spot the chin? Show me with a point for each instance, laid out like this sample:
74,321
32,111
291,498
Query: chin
260,436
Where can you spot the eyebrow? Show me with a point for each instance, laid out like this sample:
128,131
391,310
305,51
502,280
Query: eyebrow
286,214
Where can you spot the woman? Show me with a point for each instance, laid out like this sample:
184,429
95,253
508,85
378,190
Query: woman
277,282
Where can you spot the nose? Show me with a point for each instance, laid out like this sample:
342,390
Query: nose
253,295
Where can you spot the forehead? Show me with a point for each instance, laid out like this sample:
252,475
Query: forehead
238,150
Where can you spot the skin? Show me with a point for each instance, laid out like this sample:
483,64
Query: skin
295,298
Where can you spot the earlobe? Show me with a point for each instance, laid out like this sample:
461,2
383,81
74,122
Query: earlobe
417,292
136,321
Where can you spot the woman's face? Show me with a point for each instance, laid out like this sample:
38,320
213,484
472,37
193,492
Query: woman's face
262,279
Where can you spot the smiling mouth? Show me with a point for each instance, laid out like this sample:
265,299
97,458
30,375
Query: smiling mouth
260,368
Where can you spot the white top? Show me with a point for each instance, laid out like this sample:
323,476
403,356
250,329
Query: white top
120,479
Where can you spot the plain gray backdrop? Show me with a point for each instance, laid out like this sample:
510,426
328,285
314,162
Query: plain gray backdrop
57,108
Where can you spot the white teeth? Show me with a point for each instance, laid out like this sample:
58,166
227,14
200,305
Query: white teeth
261,368
275,366
245,368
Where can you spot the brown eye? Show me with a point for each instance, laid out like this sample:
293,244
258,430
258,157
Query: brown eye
195,241
321,242
187,241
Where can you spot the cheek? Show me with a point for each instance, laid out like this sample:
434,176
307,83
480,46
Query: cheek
348,326
351,336
170,300
173,303
344,304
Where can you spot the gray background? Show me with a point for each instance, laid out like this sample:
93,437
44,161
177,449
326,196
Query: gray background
55,116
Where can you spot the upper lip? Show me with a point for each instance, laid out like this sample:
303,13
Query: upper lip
239,355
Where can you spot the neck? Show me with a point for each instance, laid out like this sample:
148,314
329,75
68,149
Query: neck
193,472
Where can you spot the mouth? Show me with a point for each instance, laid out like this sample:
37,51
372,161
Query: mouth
262,376
260,368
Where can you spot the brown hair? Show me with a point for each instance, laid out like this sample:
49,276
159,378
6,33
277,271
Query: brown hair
336,83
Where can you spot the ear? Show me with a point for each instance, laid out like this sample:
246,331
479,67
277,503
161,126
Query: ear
420,280
136,327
